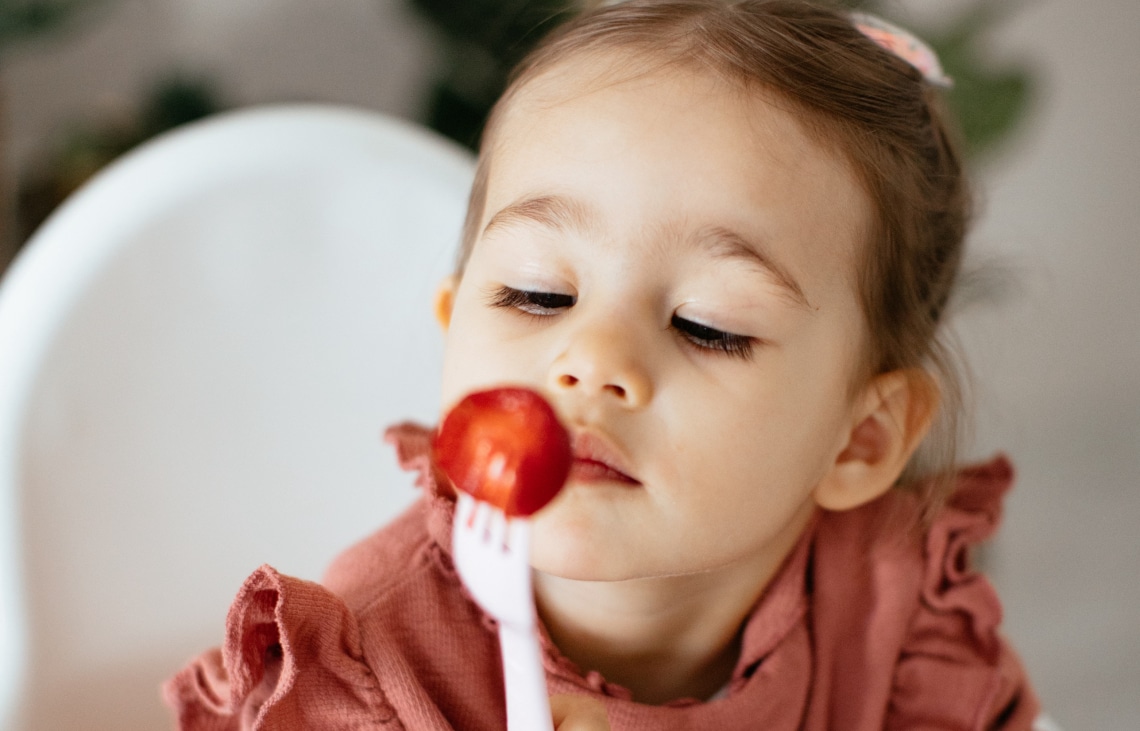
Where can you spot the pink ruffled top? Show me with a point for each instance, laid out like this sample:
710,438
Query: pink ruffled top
872,623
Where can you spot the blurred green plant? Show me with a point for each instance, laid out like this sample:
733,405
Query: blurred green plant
482,41
23,19
990,100
88,146
80,151
485,38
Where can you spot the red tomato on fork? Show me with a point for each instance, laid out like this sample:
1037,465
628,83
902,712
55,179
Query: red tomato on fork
505,446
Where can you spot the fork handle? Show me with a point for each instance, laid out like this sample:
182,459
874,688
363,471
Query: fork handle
528,706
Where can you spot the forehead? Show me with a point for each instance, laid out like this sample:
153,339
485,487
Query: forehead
688,147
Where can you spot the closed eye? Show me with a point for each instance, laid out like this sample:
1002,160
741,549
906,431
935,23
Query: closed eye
542,304
708,338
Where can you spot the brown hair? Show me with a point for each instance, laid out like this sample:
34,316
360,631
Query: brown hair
865,103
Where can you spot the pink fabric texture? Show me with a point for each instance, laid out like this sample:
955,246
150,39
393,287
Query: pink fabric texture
872,623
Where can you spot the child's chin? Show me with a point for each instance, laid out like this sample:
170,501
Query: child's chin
569,552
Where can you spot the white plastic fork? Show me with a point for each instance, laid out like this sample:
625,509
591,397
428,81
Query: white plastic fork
492,556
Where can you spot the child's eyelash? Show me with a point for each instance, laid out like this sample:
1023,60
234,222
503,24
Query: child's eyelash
532,303
708,338
545,304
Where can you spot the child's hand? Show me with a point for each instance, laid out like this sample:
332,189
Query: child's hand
578,713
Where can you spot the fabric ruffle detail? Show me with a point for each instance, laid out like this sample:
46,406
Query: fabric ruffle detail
953,640
291,661
953,591
412,443
559,666
413,453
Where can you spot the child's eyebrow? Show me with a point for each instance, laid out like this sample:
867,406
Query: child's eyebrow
566,214
552,211
725,243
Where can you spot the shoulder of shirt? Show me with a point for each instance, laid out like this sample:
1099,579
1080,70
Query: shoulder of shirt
398,554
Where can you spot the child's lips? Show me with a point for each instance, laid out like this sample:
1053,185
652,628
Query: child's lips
595,460
585,470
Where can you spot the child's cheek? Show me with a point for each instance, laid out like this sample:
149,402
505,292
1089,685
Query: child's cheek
476,355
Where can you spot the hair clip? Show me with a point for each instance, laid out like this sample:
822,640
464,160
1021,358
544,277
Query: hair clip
905,45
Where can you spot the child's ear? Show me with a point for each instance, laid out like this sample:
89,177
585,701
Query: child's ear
445,300
893,414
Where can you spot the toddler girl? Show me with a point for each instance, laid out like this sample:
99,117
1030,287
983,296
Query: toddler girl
720,239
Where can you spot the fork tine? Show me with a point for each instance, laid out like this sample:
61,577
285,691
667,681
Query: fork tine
486,522
464,510
497,529
475,517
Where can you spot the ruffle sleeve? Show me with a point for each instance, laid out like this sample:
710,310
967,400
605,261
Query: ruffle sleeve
292,661
953,643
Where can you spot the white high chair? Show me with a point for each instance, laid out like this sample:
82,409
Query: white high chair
198,353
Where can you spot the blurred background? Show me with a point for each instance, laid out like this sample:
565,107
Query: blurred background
1046,95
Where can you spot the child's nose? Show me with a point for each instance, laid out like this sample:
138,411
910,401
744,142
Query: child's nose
603,362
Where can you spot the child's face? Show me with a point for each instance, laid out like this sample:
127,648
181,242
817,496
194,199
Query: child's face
671,262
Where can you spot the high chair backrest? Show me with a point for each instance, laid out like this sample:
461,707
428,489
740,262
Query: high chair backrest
198,354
